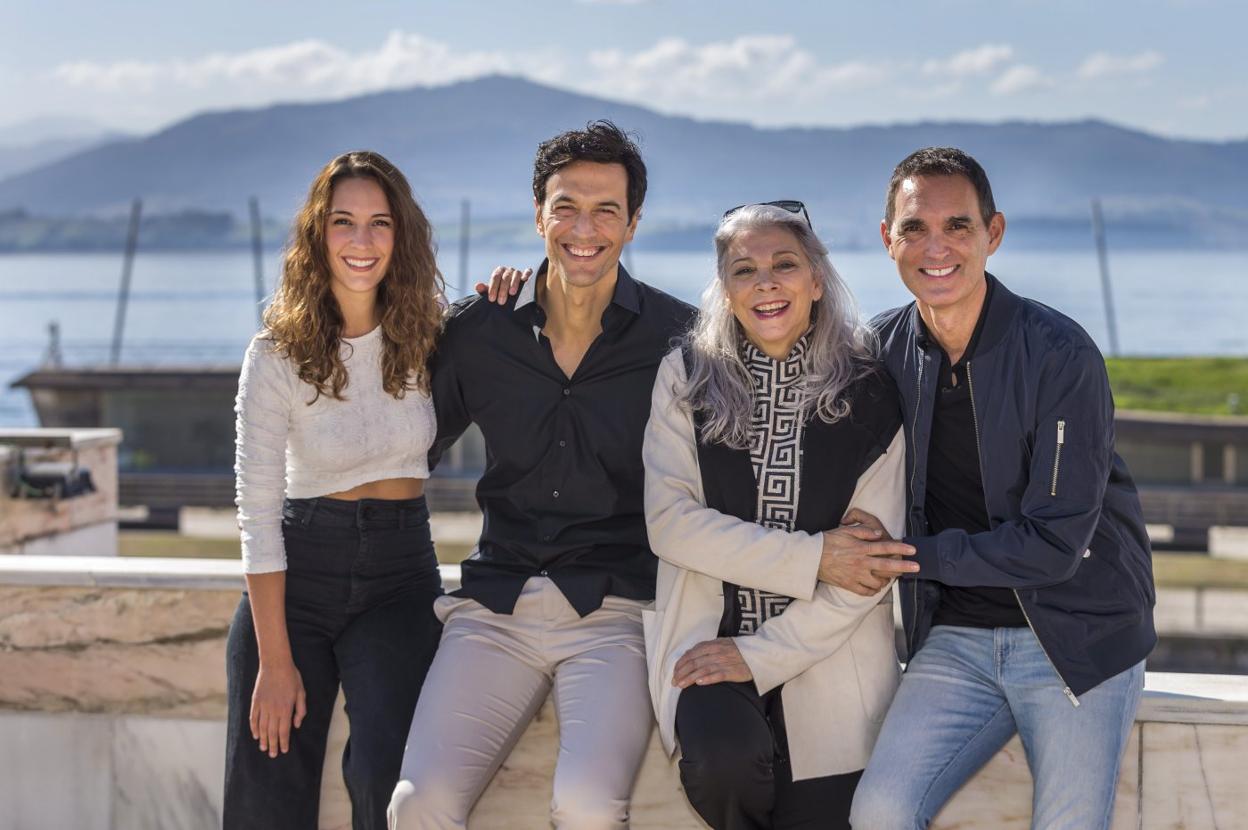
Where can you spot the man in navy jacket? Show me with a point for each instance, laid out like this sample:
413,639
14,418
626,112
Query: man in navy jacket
1032,608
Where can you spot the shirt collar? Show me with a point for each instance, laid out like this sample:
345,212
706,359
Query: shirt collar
528,291
627,294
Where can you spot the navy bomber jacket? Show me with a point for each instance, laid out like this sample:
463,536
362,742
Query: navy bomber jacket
1067,529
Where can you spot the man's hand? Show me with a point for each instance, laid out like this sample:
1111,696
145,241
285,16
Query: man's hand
865,519
504,282
862,517
711,661
862,559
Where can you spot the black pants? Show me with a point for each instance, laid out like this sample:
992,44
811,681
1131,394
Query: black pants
361,579
735,766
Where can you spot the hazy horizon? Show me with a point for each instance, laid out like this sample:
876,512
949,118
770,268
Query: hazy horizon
1173,68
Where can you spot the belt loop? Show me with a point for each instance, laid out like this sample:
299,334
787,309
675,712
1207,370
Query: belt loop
308,511
402,518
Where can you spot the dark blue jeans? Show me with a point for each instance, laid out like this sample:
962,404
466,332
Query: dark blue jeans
360,583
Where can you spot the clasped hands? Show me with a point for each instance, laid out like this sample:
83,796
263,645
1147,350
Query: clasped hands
861,557
858,556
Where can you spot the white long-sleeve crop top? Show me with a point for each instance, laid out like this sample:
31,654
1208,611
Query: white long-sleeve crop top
288,448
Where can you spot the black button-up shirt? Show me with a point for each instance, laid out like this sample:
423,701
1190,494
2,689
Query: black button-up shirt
562,491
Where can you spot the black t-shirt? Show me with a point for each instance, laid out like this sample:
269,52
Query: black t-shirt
955,493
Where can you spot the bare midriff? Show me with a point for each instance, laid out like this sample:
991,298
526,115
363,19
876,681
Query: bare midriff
390,488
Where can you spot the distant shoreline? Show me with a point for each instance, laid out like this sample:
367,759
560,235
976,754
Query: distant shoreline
204,231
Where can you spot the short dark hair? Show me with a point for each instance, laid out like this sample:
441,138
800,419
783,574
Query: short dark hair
600,141
942,161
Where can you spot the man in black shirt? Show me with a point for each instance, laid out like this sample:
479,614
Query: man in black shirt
559,381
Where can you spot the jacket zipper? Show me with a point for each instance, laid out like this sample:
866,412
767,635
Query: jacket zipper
1057,459
1061,426
914,425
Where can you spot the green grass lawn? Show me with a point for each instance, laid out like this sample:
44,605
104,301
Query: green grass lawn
1198,385
1188,570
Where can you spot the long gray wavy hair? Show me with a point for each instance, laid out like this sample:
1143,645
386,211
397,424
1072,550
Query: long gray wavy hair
840,350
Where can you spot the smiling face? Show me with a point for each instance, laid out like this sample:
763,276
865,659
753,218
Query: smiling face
359,237
584,220
771,287
941,244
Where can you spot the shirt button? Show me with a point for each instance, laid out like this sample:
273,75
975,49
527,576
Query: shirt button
546,538
555,494
543,572
563,443
566,391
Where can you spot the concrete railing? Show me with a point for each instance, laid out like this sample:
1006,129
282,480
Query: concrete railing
50,525
112,702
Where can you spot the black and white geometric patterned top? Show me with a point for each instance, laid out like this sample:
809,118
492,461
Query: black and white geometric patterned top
776,453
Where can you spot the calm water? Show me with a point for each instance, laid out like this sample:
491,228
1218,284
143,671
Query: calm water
200,308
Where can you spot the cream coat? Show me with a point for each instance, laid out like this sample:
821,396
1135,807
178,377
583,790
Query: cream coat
832,649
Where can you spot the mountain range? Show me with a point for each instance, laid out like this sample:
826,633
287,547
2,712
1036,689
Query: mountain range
31,144
475,140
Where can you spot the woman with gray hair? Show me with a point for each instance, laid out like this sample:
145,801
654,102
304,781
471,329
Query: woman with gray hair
771,662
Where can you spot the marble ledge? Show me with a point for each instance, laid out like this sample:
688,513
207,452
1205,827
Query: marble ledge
136,572
120,572
1194,699
68,438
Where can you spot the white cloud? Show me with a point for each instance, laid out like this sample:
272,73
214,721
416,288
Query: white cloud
769,79
132,76
977,61
760,78
303,69
1103,64
1019,79
747,68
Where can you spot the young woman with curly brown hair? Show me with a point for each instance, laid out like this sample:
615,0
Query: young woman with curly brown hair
334,423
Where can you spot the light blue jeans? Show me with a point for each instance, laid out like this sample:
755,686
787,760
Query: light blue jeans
963,696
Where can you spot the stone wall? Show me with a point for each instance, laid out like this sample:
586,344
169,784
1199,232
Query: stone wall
112,705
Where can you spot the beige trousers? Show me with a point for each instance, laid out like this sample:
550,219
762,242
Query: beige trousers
492,673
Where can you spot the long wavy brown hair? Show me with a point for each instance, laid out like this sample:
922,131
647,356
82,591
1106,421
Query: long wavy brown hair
304,320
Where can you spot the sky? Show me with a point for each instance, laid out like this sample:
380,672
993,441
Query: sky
1173,67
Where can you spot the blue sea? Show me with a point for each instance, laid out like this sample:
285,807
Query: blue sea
200,308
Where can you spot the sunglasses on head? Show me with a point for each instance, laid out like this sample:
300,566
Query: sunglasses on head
791,205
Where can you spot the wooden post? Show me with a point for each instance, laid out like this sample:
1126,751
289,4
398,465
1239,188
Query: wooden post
257,257
123,294
465,229
1102,256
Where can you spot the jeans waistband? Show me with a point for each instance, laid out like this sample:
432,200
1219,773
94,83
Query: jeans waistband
364,513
